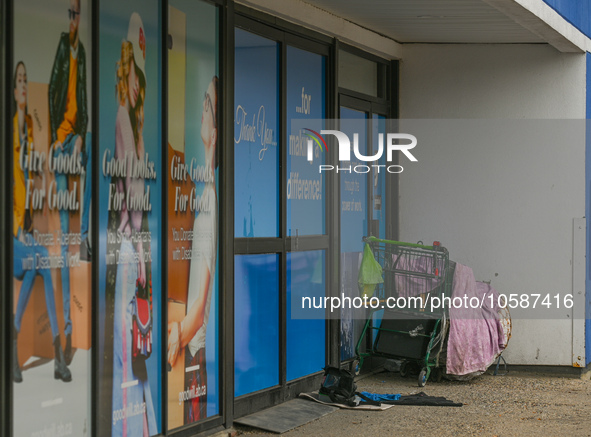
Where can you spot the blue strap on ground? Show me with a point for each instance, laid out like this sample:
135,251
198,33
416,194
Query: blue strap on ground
380,397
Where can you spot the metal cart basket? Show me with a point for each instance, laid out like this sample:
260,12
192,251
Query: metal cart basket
414,323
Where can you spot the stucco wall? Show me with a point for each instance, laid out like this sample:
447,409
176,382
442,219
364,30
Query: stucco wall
502,206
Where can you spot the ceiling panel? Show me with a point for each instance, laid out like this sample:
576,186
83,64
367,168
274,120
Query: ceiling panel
431,21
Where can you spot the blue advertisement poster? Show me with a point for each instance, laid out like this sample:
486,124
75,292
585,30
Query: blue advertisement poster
193,187
306,203
256,211
305,101
256,322
51,169
130,395
256,153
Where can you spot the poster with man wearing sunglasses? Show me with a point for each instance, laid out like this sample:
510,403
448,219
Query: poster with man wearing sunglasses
70,143
52,340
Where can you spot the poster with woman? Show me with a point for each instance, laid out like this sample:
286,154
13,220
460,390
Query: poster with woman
129,215
51,171
193,93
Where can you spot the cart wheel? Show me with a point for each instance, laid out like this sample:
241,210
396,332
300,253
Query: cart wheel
404,369
423,378
355,367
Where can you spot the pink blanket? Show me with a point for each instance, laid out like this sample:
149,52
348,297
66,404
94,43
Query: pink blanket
475,334
411,284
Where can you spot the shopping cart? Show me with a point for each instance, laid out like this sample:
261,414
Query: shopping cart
414,323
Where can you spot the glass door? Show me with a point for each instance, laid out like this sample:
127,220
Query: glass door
354,225
362,208
280,231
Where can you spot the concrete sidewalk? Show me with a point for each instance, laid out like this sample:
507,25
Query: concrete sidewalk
517,404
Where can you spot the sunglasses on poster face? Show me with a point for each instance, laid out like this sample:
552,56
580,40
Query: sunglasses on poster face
209,106
72,14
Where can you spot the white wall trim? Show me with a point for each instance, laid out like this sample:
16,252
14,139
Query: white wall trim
310,16
578,315
540,19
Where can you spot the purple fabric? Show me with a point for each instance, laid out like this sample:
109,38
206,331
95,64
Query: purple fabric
408,285
475,335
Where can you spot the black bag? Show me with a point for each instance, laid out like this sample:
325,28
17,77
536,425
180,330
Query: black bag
338,385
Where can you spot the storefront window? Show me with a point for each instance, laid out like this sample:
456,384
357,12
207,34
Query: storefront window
130,220
305,101
256,129
256,322
194,96
352,67
305,336
354,226
52,257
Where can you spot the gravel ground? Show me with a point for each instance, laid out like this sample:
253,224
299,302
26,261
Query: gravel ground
517,404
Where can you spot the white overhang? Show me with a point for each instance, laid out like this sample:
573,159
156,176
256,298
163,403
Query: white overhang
383,26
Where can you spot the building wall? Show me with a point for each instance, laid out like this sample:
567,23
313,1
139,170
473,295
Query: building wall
577,12
505,209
